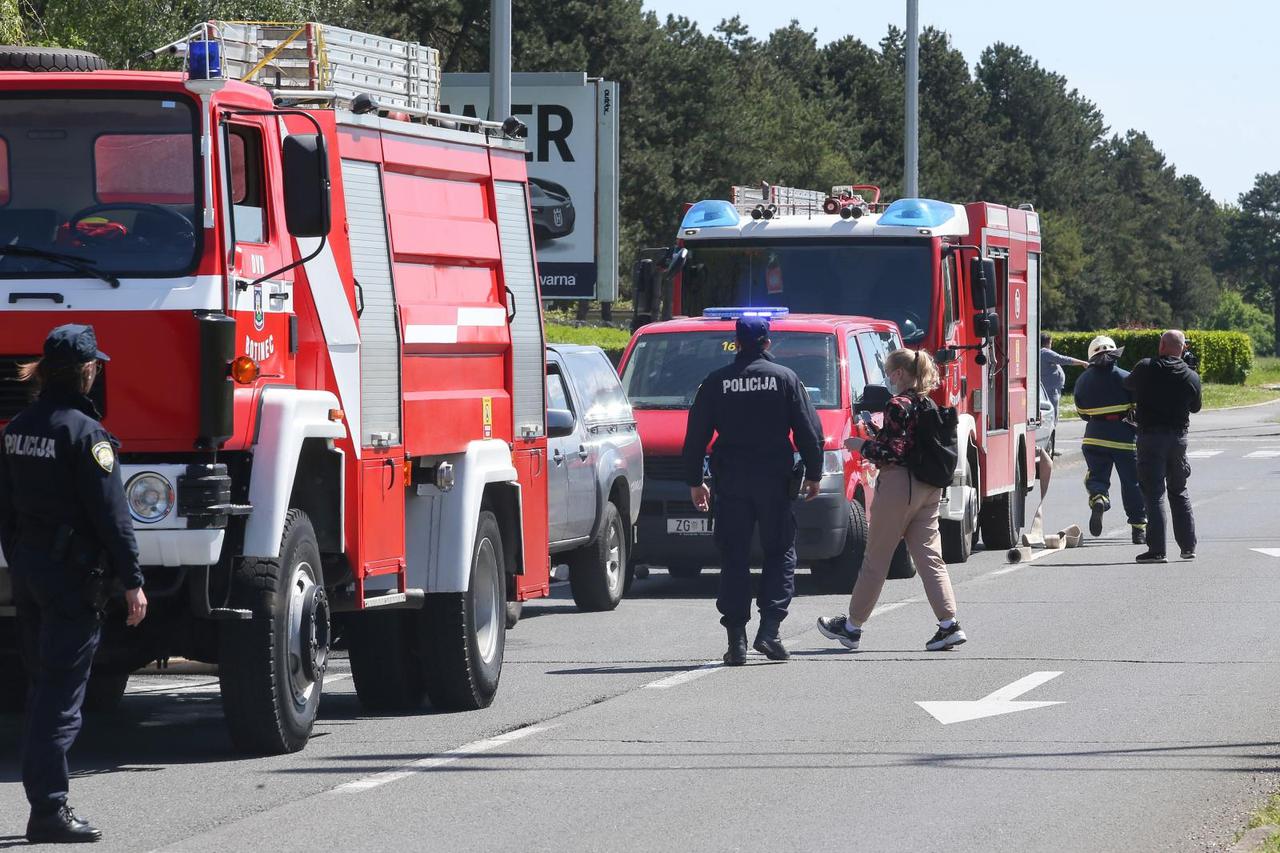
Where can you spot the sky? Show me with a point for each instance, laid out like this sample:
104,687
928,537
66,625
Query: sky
1201,79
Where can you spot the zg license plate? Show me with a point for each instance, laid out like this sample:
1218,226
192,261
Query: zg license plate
690,525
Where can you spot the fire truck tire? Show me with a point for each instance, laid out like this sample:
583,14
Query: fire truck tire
840,573
466,631
271,667
105,691
958,536
14,58
597,572
1001,519
386,651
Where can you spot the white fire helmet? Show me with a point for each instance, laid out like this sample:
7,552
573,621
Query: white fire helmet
1102,344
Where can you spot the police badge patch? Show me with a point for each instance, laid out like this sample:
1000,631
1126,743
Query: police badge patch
104,455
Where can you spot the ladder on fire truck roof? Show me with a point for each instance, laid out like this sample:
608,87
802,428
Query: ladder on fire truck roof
307,58
791,200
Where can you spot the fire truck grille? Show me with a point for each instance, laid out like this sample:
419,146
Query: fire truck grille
663,468
14,395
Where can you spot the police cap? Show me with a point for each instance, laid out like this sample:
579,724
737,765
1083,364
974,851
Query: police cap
73,344
752,329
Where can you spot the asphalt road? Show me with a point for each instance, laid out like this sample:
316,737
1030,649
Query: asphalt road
612,731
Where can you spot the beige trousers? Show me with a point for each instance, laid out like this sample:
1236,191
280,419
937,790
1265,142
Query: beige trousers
904,508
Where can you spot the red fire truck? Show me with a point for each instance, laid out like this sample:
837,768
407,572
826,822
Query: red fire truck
962,281
327,360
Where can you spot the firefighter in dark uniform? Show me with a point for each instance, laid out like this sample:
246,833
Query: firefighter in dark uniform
66,534
754,406
1110,438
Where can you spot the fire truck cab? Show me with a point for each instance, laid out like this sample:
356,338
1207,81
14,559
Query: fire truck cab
327,357
962,281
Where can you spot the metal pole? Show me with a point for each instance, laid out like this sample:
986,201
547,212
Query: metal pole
911,145
499,59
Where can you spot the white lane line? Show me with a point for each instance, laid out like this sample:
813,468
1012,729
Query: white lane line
1203,454
1263,454
466,751
1270,552
685,677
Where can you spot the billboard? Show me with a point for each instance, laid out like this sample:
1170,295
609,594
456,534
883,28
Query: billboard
573,173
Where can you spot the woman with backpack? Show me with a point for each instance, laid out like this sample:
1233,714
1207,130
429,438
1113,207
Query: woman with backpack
905,508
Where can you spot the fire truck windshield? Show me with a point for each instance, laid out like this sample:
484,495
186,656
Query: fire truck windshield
665,369
886,279
98,184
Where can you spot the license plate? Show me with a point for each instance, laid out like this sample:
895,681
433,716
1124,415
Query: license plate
689,526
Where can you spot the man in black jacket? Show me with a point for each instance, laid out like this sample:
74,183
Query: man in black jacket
1167,391
754,406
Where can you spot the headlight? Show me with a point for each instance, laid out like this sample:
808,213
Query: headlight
150,497
832,462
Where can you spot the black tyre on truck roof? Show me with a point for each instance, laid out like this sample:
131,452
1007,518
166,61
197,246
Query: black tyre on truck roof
15,58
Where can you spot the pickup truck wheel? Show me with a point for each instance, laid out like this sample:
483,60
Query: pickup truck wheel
105,690
840,573
597,572
271,667
386,651
467,631
684,571
958,536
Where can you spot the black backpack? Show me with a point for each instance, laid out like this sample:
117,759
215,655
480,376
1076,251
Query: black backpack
933,456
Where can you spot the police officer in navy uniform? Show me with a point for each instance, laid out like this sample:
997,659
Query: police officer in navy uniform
754,406
66,534
1109,437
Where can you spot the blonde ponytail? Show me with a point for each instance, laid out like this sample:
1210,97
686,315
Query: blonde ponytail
918,364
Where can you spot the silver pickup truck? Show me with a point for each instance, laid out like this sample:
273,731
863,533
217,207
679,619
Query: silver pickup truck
596,473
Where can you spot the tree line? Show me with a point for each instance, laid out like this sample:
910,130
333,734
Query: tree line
1128,239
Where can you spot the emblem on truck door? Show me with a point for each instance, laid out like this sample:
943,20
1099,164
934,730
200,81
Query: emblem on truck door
259,318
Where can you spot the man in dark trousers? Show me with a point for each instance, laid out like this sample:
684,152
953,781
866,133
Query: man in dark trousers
1167,391
1109,441
754,406
66,532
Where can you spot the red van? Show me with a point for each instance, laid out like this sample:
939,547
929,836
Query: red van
834,356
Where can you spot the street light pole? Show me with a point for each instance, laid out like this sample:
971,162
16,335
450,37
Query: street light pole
499,59
911,144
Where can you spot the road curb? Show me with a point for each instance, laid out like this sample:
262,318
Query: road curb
1254,840
1248,406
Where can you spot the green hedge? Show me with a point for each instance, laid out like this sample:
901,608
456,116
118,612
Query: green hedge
612,341
1225,357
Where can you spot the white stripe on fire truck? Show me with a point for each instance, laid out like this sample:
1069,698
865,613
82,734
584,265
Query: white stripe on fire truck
447,333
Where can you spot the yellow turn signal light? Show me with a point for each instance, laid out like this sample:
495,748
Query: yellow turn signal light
244,370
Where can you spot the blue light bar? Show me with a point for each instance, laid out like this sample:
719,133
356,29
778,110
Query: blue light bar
772,312
709,213
917,213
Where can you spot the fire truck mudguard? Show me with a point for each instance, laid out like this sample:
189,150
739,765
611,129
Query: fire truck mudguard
287,418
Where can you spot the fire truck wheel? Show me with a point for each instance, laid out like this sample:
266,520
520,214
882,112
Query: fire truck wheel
271,667
466,630
386,651
958,536
514,609
839,573
597,572
1001,518
105,690
13,58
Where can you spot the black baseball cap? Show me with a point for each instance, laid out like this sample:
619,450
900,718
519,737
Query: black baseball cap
752,328
73,344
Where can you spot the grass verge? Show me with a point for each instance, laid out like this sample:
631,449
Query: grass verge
1266,372
1268,815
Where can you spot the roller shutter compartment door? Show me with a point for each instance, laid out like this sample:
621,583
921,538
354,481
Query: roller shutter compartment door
528,353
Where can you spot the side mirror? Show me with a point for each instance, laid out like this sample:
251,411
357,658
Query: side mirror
986,324
644,289
559,423
982,282
946,355
306,185
675,262
875,398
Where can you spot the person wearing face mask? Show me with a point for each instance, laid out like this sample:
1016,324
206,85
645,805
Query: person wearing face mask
905,508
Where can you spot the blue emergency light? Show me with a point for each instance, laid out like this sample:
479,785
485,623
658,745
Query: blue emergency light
204,60
917,213
771,312
710,213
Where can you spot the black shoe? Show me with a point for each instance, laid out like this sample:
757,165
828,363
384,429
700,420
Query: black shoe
737,653
1188,554
946,638
1139,536
1148,557
61,827
768,643
1095,517
837,628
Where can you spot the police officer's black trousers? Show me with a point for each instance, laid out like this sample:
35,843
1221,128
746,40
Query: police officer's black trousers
59,635
1097,481
761,503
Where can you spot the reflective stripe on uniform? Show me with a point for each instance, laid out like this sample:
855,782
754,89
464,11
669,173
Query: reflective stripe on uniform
1105,410
1111,445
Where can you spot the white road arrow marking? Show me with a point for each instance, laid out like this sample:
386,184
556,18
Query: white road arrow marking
999,702
1270,552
